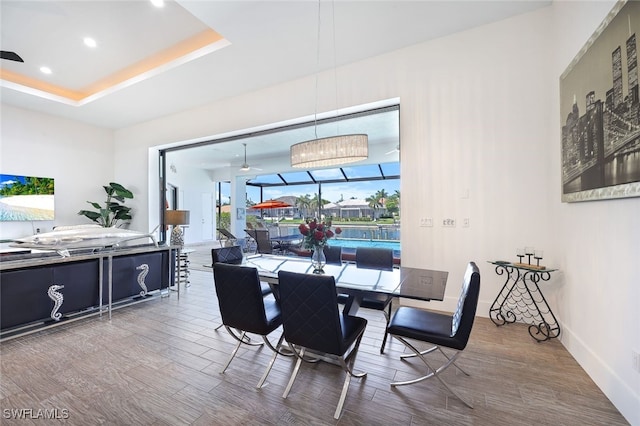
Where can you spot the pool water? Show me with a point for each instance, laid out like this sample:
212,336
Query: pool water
353,243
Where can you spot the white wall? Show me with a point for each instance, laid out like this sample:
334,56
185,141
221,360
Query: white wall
598,293
192,182
480,139
78,156
480,132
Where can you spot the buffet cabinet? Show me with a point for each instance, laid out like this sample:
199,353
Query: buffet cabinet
45,290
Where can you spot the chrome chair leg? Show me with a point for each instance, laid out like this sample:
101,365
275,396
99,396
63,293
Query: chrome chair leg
246,339
431,349
273,358
295,369
234,352
434,372
343,396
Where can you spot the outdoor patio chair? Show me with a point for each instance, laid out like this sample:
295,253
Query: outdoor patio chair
264,243
229,238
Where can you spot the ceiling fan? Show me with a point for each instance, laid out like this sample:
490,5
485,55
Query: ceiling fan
245,166
396,149
10,56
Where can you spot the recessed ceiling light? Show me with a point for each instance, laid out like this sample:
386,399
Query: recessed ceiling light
45,70
88,41
157,3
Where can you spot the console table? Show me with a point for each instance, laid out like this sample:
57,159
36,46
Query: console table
520,299
41,290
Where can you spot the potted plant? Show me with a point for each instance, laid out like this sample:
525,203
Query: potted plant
114,212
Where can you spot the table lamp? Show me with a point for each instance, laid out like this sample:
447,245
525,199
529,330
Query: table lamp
177,218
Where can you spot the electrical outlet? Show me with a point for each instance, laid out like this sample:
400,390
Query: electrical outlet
465,222
635,359
449,223
426,222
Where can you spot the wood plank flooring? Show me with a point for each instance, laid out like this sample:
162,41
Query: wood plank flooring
159,362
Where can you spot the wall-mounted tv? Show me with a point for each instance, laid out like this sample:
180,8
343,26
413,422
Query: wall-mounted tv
26,198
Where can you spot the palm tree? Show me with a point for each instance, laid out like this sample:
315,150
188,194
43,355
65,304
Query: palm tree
374,203
382,197
393,202
317,203
304,204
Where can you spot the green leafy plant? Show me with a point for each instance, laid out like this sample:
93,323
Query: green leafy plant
114,213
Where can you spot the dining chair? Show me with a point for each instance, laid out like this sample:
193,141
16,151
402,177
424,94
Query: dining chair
377,258
312,322
233,256
243,308
439,329
333,254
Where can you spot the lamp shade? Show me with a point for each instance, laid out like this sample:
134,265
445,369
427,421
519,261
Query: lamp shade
177,217
330,151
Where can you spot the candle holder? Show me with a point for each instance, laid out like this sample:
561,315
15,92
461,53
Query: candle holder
538,256
520,254
529,251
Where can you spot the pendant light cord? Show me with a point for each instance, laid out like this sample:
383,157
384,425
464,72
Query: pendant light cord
315,114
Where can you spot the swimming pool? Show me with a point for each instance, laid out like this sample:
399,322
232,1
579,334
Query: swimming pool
353,243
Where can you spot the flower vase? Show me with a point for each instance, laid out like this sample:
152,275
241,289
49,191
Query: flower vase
318,260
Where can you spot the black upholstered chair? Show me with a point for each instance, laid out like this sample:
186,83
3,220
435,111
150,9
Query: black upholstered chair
312,321
441,330
233,255
243,308
377,258
333,254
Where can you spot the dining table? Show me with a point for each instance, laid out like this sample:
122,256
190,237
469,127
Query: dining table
357,283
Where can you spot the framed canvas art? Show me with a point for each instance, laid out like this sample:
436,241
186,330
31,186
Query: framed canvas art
26,198
600,112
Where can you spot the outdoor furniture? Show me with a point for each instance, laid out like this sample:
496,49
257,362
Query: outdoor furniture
228,236
244,308
441,330
311,321
264,243
377,258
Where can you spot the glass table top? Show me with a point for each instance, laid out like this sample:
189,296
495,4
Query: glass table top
414,283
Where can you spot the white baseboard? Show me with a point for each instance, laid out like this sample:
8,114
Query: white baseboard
625,399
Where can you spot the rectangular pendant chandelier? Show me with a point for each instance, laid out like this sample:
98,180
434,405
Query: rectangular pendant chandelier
330,151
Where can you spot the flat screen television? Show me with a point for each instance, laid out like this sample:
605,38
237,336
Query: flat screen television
26,198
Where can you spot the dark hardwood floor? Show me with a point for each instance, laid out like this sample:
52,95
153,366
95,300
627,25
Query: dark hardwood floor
158,363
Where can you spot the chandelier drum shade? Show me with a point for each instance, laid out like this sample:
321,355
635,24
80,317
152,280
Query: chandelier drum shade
330,151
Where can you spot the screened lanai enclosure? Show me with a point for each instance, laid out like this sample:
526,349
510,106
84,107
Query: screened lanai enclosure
218,180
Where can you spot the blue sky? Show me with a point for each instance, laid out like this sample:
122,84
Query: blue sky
332,192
